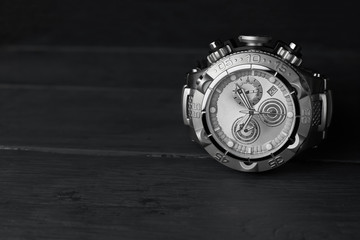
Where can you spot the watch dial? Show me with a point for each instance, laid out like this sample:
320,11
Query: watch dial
251,113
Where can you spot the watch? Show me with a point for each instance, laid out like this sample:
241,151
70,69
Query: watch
252,106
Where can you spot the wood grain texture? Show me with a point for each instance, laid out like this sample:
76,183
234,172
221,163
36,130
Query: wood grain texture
94,119
50,196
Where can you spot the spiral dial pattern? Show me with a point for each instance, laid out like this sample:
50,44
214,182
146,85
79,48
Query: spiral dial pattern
273,112
248,135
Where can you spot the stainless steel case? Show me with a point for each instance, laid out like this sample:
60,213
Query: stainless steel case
195,100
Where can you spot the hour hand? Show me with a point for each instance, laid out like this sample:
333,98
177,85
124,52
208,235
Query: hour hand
243,97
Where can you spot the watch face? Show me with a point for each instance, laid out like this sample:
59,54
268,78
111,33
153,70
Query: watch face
251,112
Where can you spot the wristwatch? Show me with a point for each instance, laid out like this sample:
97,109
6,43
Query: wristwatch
251,104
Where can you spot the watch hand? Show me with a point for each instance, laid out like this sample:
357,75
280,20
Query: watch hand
243,97
272,113
245,121
253,112
248,129
251,91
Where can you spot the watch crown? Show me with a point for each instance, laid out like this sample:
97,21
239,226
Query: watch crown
290,53
254,40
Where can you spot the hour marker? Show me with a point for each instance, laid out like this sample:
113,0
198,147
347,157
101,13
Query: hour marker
268,146
230,143
272,79
217,129
290,114
218,90
252,72
284,133
249,150
213,110
275,74
232,77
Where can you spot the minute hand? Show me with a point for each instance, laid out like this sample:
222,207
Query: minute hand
243,97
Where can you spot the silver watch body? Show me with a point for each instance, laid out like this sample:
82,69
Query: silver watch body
252,107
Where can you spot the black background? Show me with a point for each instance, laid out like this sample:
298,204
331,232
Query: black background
326,30
321,24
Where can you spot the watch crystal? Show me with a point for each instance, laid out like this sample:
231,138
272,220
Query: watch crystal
251,113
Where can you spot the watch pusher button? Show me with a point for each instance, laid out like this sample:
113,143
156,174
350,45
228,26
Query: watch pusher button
218,50
290,53
254,40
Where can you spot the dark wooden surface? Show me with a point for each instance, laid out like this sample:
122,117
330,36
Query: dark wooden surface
93,147
52,196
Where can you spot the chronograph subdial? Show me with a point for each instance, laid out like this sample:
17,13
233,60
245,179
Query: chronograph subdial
246,135
252,88
273,112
